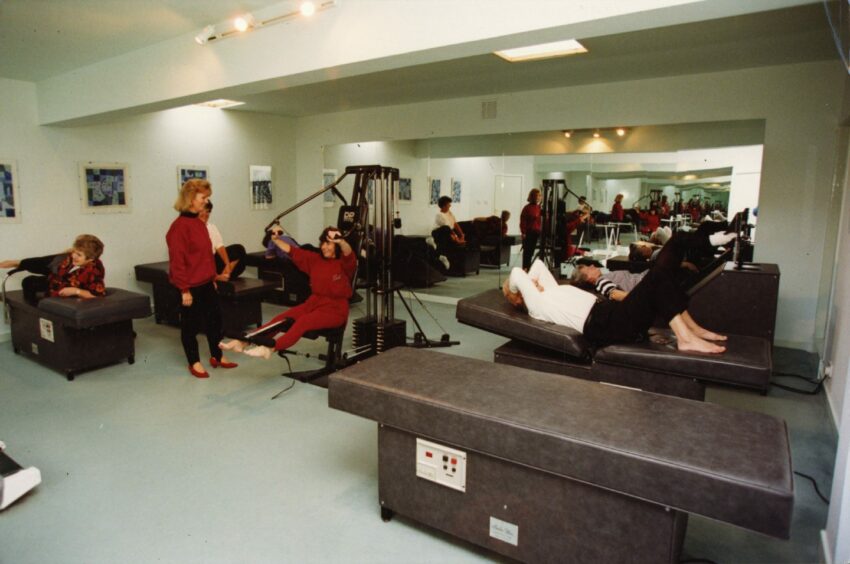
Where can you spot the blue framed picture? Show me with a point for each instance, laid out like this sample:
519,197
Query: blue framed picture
435,191
105,187
187,172
9,201
404,190
455,191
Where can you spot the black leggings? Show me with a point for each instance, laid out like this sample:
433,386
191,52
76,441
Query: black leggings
529,245
41,267
658,296
203,315
234,253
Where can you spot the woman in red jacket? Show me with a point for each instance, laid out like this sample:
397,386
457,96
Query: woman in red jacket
617,213
191,269
331,272
530,225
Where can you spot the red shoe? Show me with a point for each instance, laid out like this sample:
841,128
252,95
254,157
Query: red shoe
216,363
198,373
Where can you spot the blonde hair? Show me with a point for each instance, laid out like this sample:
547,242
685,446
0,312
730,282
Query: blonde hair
188,191
89,245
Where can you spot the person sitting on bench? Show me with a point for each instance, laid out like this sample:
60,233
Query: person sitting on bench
77,274
230,260
607,322
331,273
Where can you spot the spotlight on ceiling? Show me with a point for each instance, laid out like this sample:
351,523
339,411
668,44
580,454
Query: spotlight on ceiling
243,23
248,22
207,34
620,131
568,134
596,134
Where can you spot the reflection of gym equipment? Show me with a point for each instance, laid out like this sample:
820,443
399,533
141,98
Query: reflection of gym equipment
553,212
369,232
15,480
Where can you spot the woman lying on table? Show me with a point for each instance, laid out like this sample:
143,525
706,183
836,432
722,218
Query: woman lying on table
77,274
331,272
606,322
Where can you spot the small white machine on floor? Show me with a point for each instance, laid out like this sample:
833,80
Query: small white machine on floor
15,480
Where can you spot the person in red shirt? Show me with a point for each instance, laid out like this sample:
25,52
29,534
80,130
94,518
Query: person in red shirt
649,220
78,273
331,272
530,225
617,213
191,269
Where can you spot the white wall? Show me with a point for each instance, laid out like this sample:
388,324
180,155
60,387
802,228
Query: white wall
153,145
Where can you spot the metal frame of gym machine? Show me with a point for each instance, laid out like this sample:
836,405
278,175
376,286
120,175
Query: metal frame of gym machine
377,330
549,212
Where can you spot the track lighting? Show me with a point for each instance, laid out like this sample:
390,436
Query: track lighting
568,134
620,132
595,132
249,22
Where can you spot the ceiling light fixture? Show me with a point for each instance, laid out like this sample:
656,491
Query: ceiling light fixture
596,134
220,104
247,22
620,131
568,134
542,51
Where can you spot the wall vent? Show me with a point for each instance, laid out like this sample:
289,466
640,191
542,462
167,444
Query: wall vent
488,109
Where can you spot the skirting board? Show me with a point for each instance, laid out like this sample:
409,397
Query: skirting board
825,552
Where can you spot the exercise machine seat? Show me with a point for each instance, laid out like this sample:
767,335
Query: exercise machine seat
490,311
747,361
520,429
117,305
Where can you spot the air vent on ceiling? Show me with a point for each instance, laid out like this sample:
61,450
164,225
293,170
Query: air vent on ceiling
488,109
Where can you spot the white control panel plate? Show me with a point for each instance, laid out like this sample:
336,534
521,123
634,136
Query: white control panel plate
441,464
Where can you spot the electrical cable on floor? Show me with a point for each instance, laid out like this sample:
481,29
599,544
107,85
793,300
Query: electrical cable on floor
815,484
289,367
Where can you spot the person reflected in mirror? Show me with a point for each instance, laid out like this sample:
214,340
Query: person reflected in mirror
77,273
530,225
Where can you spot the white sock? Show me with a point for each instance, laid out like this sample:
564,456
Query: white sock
719,239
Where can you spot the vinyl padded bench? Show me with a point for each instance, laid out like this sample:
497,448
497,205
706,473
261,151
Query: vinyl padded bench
73,335
543,468
654,365
241,299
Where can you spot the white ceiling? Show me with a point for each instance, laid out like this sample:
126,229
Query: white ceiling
41,38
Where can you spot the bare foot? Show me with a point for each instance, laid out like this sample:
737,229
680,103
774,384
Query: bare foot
707,335
234,345
698,345
259,351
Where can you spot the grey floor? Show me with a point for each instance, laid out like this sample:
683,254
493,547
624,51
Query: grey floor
144,463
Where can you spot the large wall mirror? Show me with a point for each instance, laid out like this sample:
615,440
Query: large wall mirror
487,174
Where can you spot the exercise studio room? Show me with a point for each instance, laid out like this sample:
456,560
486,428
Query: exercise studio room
419,281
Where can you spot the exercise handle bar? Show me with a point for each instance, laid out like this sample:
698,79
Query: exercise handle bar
331,186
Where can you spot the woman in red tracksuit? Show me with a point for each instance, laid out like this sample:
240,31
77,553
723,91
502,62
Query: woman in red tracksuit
330,271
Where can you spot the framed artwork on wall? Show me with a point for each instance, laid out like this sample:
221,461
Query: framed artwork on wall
405,194
105,187
435,191
261,186
328,177
10,203
185,172
456,190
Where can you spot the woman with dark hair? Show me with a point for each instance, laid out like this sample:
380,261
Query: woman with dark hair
331,271
530,225
191,269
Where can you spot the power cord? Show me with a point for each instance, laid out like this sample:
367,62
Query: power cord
288,367
815,484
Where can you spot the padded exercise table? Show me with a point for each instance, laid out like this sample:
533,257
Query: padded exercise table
73,335
543,468
241,299
650,365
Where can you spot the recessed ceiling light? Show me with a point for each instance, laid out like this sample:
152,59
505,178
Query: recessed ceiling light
543,51
621,131
220,104
308,9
